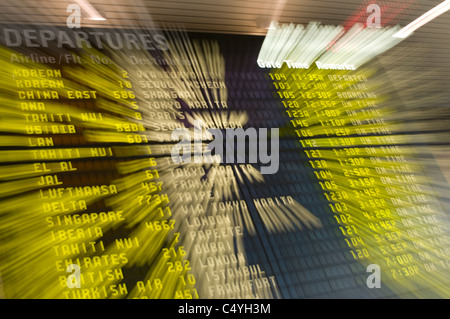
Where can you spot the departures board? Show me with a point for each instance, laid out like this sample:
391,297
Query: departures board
94,204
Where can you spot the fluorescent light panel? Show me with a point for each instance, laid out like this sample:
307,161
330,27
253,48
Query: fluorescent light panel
423,19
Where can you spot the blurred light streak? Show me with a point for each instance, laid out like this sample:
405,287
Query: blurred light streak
279,5
293,45
92,13
423,19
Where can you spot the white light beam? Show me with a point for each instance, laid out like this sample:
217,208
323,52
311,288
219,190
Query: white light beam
423,19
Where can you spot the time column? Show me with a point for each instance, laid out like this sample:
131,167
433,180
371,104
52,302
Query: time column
319,122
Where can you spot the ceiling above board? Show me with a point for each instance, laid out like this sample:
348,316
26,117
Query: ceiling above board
218,16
